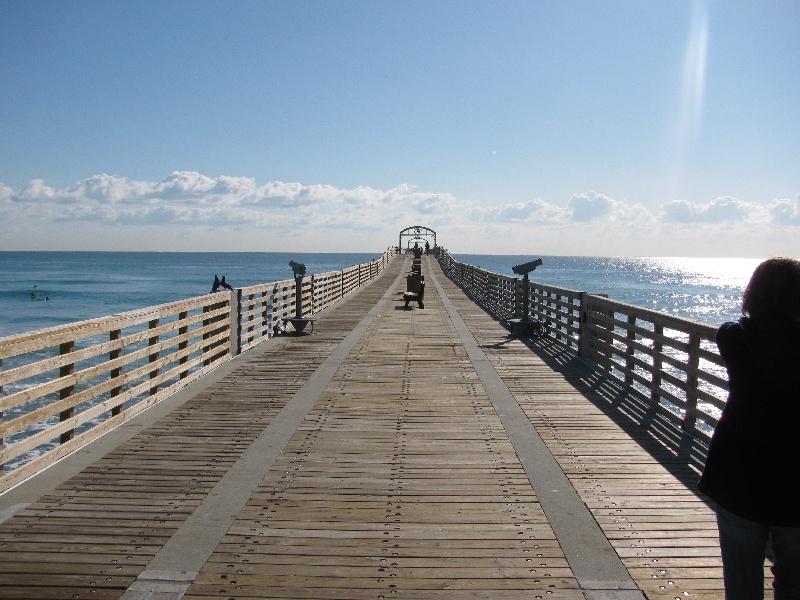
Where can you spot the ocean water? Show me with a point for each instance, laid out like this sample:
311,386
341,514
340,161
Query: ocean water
44,289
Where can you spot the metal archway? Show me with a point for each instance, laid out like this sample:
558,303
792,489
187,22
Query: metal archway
417,235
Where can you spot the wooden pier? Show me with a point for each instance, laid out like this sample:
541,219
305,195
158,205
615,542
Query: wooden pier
393,453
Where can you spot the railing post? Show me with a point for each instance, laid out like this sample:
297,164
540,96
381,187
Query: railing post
269,320
516,299
313,291
547,302
68,391
251,303
511,295
690,418
629,351
184,344
264,305
210,321
655,382
2,466
569,336
115,335
583,328
592,336
206,335
152,341
236,322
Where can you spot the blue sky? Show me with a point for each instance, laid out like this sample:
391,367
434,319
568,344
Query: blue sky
572,127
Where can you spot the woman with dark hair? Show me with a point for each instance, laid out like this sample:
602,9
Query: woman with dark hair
752,472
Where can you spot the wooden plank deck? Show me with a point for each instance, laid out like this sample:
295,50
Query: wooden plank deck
392,454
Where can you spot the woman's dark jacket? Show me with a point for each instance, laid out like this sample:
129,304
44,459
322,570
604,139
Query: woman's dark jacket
753,465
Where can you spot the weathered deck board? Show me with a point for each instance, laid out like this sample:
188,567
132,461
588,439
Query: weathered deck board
166,470
402,467
400,482
640,493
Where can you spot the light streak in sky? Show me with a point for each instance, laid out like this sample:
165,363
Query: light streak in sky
692,90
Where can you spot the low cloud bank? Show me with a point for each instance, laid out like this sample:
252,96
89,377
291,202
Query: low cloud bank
189,197
187,200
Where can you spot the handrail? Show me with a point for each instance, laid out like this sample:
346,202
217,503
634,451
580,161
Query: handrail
670,362
64,386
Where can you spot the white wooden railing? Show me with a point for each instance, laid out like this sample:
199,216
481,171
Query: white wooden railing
670,362
62,387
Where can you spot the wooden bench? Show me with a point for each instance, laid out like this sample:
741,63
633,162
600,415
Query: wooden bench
416,296
413,281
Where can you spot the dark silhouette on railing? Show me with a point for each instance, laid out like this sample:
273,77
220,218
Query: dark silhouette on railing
220,283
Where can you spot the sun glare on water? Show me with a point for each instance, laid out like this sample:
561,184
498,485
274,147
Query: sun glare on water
727,273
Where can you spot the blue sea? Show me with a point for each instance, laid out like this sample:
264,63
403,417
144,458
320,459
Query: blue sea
44,289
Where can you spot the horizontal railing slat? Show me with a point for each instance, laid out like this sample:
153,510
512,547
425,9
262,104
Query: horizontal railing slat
44,338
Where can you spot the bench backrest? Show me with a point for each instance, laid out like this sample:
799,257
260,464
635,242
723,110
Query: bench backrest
413,281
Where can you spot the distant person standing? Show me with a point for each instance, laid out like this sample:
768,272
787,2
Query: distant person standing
753,468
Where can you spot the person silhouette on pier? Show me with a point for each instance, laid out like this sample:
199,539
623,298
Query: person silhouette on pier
752,472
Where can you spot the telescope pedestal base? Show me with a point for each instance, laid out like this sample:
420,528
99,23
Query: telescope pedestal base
525,327
299,323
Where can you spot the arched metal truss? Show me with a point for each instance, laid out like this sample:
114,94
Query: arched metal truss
417,235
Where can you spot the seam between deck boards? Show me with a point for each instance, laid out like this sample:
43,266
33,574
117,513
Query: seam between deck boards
593,560
177,564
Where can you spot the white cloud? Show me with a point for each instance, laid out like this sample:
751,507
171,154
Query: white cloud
590,206
185,184
106,189
785,212
6,194
536,211
435,204
36,191
234,213
720,210
191,198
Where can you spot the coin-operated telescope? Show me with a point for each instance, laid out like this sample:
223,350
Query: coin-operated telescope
300,268
298,321
527,267
526,325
